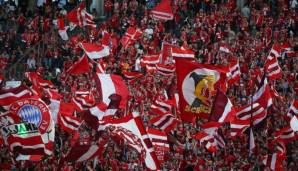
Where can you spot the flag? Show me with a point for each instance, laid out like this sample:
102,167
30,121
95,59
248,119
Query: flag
161,107
149,60
287,50
80,67
68,122
160,143
272,67
293,110
79,16
109,84
237,127
38,81
130,37
131,75
223,110
62,29
255,113
132,130
82,152
224,48
165,70
166,53
83,100
179,52
163,11
165,122
95,51
234,73
9,96
196,84
286,134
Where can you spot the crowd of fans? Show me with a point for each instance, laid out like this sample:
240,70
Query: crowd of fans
204,25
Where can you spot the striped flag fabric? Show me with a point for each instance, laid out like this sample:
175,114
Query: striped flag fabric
161,107
83,100
207,140
273,161
109,84
159,141
234,73
165,70
272,67
69,123
62,29
256,111
149,60
180,52
9,96
131,75
286,134
163,11
165,122
237,127
38,81
95,51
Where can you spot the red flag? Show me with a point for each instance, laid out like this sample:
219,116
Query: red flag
80,17
132,34
196,84
62,29
293,110
69,123
272,67
132,130
234,73
95,51
165,122
109,84
80,67
163,11
182,52
223,110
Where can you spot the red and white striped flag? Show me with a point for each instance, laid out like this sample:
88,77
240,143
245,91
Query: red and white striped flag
95,51
165,70
165,122
159,141
163,11
286,134
109,84
206,139
255,113
180,52
272,67
223,110
34,158
79,16
83,100
161,107
9,96
237,127
234,74
131,75
131,36
38,81
69,123
149,60
287,50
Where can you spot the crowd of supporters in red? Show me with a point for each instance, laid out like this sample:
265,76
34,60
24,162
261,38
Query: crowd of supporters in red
246,30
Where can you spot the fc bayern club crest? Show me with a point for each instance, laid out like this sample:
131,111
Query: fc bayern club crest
33,111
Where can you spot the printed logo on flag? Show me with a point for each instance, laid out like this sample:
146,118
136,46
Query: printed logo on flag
196,89
33,111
